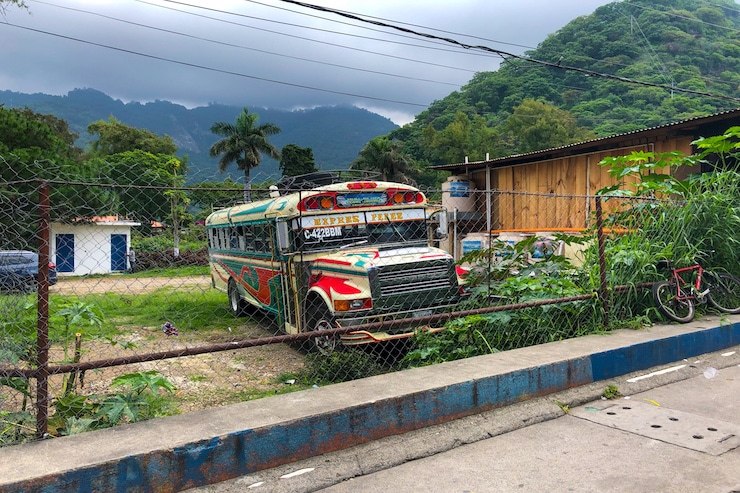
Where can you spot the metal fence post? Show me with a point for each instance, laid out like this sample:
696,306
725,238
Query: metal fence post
42,334
603,287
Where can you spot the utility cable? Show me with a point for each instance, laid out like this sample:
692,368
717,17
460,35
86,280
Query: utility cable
397,22
211,69
232,45
293,25
505,55
308,39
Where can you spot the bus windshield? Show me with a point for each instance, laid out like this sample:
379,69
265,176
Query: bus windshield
332,232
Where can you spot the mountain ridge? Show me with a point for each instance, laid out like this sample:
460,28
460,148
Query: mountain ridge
336,134
622,68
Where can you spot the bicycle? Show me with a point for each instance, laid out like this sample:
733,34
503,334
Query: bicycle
676,298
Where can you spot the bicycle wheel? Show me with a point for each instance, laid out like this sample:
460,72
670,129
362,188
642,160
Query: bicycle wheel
724,291
666,299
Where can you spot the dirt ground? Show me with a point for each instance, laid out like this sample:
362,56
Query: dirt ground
202,381
124,284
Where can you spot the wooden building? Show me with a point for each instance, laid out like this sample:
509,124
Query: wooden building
552,189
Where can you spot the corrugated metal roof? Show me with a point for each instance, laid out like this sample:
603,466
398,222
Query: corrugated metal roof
688,123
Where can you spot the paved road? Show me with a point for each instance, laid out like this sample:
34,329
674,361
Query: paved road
671,439
682,434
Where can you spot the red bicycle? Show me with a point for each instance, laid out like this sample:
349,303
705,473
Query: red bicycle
676,298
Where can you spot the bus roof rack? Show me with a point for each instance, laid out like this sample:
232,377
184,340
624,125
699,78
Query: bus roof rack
309,181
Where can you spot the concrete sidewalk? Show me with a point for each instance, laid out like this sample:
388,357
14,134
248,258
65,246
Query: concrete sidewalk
206,447
682,437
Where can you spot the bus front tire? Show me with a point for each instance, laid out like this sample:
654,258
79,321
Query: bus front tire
320,319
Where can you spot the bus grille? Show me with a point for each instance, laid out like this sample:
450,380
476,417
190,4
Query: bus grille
413,278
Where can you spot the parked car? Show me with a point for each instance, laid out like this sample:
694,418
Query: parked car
19,270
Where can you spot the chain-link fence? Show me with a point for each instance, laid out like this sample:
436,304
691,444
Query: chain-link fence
122,303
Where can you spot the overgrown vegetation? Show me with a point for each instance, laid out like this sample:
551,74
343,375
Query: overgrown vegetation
653,215
140,396
524,106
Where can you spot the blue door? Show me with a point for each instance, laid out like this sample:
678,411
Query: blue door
65,252
117,253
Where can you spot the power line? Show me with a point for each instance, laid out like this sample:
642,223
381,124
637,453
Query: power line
397,22
505,55
305,38
298,25
211,69
231,45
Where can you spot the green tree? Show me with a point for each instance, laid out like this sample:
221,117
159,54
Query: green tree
135,173
295,160
463,137
136,159
30,149
114,137
387,158
537,125
243,143
28,139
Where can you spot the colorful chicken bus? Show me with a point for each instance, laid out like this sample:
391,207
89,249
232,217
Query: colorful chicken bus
322,254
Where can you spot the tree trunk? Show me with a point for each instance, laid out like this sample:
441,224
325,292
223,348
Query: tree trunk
247,187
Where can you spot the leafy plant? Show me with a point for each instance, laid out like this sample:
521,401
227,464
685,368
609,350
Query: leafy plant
688,220
141,395
563,406
505,275
339,366
611,392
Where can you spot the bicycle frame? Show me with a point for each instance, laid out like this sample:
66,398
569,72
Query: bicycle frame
689,290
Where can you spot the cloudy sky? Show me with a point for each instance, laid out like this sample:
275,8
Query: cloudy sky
269,53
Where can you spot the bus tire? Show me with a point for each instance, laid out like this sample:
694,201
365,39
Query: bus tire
320,319
237,305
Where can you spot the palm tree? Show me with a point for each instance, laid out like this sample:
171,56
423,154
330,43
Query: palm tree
243,143
386,157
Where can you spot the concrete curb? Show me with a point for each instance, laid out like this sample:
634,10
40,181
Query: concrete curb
206,447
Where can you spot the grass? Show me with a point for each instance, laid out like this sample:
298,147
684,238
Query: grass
185,271
191,311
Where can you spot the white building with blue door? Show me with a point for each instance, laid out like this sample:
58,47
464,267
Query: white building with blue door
95,246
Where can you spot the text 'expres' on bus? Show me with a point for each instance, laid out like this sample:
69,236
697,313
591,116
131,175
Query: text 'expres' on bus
321,254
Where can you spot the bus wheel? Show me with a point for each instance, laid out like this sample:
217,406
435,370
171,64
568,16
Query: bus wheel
322,320
236,303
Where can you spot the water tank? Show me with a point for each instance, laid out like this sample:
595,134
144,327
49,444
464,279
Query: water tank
458,193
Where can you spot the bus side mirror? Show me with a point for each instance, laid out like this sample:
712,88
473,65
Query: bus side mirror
443,228
283,236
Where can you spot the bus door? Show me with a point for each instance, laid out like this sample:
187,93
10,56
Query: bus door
290,280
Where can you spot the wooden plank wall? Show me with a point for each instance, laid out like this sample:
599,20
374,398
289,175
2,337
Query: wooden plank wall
554,194
550,194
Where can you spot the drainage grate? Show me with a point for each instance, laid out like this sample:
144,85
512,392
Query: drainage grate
691,431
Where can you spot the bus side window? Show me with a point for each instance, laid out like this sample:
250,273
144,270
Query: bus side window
241,237
259,238
249,238
233,239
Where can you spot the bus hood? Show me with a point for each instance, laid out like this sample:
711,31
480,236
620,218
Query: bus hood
366,258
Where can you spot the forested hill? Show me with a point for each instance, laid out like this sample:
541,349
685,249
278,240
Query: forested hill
336,134
686,44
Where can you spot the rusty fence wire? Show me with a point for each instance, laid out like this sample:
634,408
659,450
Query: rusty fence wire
119,315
